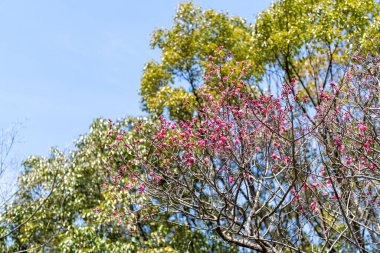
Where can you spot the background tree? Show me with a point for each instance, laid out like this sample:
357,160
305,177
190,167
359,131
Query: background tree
195,34
310,40
304,39
57,207
8,166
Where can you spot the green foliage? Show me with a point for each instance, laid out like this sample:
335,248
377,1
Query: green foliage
67,218
310,39
287,26
370,41
194,36
56,208
305,39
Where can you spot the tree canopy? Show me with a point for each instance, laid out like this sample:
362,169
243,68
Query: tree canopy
93,199
304,39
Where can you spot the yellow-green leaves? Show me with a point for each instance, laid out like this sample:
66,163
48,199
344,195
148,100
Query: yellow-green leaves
185,47
305,39
370,41
310,40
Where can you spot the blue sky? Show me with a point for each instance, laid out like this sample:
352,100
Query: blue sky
64,63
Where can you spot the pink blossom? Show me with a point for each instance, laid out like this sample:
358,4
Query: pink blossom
297,196
141,188
119,137
201,143
348,160
223,138
336,140
317,184
323,171
286,159
231,179
313,206
157,179
249,176
362,127
367,146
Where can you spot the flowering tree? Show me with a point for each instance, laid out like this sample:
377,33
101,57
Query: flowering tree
267,173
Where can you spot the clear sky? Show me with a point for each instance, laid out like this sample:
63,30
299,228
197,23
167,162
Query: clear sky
64,63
